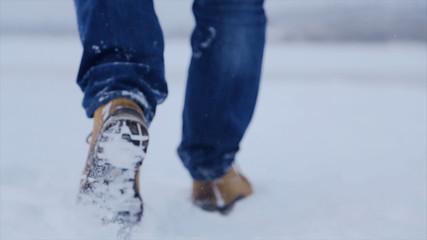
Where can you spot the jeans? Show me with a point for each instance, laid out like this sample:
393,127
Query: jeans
123,57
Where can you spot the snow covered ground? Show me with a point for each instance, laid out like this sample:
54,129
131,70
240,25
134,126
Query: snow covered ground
336,150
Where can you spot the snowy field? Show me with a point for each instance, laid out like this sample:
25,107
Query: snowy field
336,149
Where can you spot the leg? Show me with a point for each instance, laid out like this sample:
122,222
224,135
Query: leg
122,77
123,54
222,86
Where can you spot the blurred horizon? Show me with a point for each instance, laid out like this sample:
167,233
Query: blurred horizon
290,20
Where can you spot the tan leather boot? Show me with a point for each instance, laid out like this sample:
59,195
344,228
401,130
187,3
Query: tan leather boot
111,175
221,194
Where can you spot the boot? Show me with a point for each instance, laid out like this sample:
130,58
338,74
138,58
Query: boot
221,194
111,176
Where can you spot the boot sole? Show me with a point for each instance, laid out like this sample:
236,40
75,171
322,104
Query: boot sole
111,183
213,207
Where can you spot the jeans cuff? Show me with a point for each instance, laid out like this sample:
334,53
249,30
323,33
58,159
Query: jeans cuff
206,169
137,82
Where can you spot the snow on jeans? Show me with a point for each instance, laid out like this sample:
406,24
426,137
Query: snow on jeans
123,57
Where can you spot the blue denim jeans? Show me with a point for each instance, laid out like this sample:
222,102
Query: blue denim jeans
123,57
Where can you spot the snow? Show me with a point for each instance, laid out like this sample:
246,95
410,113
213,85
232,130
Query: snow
336,149
115,148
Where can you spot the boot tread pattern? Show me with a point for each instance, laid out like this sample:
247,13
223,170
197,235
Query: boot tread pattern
110,182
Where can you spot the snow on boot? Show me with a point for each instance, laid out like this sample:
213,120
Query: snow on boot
221,194
110,179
